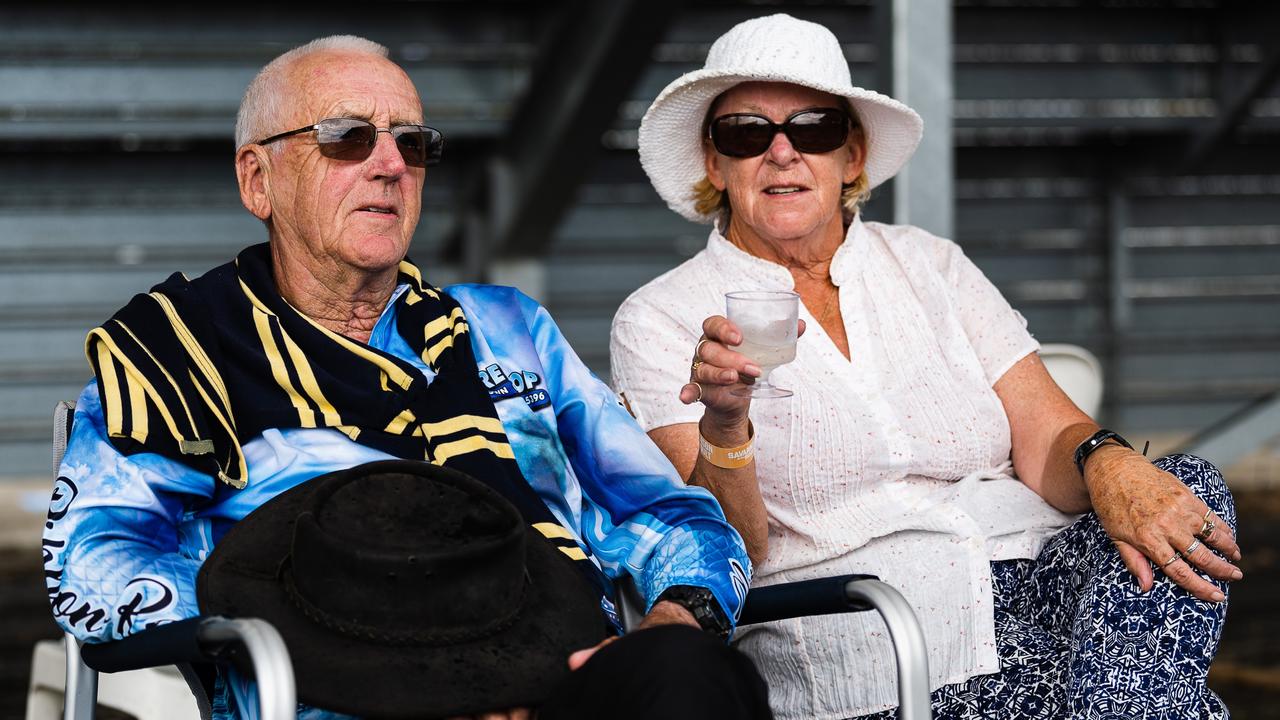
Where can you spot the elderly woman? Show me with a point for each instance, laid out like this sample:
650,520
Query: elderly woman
925,442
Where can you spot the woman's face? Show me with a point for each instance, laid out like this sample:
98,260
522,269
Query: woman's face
783,195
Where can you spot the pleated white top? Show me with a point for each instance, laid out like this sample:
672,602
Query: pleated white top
894,462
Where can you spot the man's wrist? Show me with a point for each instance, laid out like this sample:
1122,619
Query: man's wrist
702,606
665,612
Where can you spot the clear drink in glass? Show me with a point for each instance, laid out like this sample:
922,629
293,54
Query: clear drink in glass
768,320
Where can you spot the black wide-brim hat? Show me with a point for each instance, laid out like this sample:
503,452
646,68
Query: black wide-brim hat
404,589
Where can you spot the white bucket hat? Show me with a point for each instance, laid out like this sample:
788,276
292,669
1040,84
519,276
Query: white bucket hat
776,48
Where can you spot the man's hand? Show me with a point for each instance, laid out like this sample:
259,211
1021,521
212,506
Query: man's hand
663,613
513,714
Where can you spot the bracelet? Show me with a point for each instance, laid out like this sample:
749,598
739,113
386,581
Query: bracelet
729,458
1095,441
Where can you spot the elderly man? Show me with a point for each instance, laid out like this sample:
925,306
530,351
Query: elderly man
324,349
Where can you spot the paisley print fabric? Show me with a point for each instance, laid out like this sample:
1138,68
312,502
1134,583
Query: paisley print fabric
1077,639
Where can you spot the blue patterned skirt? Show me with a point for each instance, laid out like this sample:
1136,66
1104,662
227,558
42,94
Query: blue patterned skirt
1077,638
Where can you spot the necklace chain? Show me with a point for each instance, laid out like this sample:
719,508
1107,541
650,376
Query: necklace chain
826,309
807,269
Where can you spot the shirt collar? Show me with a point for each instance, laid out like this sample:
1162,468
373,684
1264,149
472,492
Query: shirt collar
764,275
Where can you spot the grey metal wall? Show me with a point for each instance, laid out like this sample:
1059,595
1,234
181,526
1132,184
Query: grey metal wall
116,155
1073,124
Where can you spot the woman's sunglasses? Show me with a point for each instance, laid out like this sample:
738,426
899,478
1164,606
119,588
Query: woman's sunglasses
744,135
353,139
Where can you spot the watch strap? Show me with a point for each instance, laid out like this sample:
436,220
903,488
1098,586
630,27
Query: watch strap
1095,441
703,605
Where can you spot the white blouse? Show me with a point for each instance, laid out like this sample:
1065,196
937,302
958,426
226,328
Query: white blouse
894,463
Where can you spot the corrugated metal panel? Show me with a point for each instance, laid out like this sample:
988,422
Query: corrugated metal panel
115,134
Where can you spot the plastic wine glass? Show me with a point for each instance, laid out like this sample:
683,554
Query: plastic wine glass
767,319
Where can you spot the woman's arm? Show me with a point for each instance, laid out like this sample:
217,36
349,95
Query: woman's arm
1045,428
724,424
735,489
1149,514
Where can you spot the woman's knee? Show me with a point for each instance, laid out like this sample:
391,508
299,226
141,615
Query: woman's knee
1205,480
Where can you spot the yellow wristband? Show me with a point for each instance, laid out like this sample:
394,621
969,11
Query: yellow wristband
729,458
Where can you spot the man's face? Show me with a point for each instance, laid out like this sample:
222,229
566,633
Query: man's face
346,215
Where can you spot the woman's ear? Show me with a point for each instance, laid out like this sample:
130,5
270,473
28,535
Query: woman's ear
857,156
253,175
712,160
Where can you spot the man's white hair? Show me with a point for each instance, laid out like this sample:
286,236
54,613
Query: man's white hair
261,106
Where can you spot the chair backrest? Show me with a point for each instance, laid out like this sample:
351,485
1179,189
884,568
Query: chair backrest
63,413
1077,372
148,692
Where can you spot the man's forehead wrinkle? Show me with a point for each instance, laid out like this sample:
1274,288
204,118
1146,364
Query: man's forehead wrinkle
350,108
353,85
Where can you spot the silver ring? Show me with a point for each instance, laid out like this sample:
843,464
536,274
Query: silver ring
699,398
1191,548
1170,561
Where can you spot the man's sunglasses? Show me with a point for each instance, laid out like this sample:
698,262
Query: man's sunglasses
353,139
744,135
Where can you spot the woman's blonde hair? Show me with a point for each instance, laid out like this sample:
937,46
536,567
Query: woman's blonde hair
710,201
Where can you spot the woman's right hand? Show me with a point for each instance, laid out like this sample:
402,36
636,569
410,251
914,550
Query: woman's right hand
717,368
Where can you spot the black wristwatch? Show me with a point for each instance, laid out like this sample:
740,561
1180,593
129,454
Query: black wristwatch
1095,441
702,603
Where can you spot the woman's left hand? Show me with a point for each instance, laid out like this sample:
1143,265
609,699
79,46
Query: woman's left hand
1154,519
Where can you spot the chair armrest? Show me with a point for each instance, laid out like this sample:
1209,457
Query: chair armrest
209,639
221,638
914,702
823,596
855,593
828,596
167,644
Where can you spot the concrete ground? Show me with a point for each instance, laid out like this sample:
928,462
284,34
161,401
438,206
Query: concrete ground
1246,673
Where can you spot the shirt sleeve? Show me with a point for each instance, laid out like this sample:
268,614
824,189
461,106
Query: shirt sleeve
111,549
997,332
638,516
649,353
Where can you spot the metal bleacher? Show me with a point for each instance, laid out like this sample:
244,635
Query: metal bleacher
1116,174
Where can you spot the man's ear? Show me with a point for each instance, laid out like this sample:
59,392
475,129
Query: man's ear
252,173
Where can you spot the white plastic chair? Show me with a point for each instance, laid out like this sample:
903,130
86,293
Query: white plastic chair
136,675
215,639
1077,372
159,693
